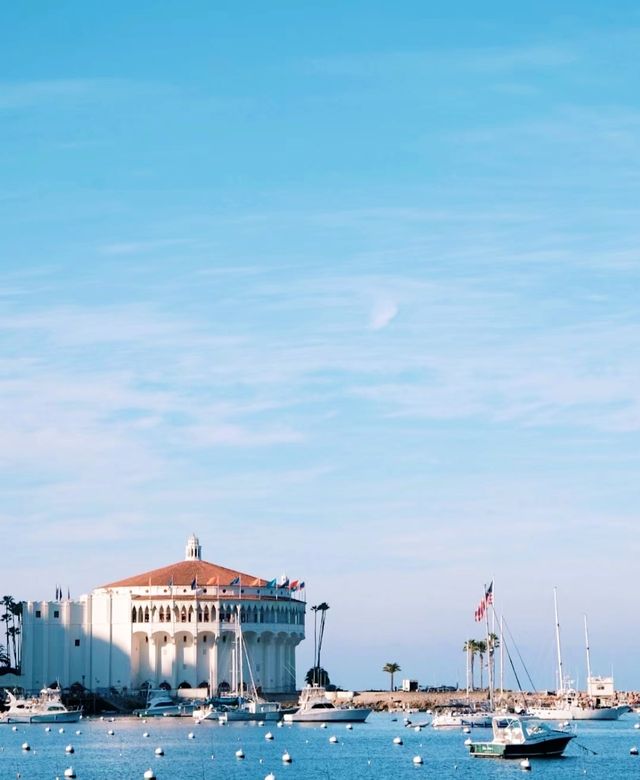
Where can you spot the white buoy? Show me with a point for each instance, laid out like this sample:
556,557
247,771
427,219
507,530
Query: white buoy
111,732
633,751
60,730
48,729
70,772
260,723
240,753
159,751
286,758
397,740
525,764
323,725
191,735
417,728
268,735
468,741
636,725
270,776
149,775
279,724
348,727
78,733
145,734
466,730
418,760
26,746
69,749
333,739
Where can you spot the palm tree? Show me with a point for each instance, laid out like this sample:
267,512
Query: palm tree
471,648
391,668
4,658
481,649
493,643
316,675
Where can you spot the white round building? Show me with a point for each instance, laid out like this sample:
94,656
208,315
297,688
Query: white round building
173,626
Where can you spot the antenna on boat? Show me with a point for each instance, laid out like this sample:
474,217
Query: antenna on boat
560,672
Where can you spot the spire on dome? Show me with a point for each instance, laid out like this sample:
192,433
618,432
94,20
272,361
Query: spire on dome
193,551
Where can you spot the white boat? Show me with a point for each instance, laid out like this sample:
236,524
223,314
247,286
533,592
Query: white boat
517,737
46,708
451,718
314,706
161,705
598,704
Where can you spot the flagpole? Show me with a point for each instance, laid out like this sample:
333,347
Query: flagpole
486,619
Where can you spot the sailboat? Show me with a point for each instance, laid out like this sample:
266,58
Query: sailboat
251,707
599,702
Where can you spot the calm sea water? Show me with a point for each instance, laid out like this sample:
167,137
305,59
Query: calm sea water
365,752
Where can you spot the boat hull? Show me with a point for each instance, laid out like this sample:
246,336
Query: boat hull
548,748
579,713
51,717
241,716
328,716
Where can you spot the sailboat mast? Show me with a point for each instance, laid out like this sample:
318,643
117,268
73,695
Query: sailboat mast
560,671
501,657
586,640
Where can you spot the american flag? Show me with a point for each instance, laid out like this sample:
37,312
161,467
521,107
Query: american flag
484,603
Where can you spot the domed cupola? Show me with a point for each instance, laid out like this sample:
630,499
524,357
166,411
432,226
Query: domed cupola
193,550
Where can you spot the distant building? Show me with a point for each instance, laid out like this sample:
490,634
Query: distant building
409,685
173,625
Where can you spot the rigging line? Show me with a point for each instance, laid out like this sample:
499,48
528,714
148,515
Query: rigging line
585,748
524,666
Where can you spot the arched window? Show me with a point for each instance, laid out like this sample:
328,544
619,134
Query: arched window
183,615
140,615
199,614
146,614
190,614
134,615
161,615
167,614
206,614
213,613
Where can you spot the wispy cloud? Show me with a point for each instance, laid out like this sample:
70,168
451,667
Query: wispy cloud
382,314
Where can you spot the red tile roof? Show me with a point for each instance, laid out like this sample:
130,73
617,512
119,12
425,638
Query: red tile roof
184,573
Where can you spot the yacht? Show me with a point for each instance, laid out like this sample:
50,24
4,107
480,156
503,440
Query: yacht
518,737
241,710
459,717
314,706
600,701
46,708
161,704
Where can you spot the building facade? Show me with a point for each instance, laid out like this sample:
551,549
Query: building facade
175,625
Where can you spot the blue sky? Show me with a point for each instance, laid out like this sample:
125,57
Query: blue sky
351,291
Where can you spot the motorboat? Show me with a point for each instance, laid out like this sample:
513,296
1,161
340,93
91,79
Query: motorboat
314,706
161,704
45,708
459,717
518,737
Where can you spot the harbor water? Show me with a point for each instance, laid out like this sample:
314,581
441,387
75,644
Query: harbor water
601,751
